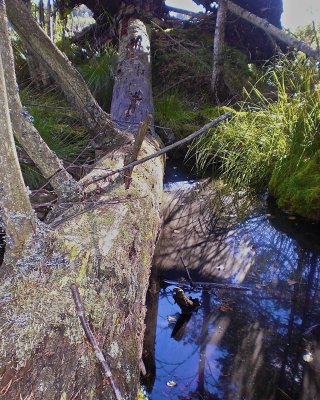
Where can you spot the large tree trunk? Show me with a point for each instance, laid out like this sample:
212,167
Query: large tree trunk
15,207
67,77
27,135
104,245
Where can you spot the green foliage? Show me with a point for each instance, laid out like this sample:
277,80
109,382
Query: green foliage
297,185
273,138
187,67
309,34
178,119
58,126
98,74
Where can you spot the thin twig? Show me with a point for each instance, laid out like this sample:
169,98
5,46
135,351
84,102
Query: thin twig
85,325
143,127
187,271
181,142
316,36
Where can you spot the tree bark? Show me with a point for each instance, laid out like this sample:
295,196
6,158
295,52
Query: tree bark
217,80
66,76
273,30
27,135
105,246
132,93
15,207
41,13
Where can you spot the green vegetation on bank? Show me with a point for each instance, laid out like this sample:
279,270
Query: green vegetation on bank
271,141
273,138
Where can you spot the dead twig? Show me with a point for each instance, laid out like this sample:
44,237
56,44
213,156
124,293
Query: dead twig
85,325
187,271
208,285
164,150
143,128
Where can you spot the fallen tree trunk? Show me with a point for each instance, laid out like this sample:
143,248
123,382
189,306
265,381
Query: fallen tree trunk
104,245
273,30
217,80
15,207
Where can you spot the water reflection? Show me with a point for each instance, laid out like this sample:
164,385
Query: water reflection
249,345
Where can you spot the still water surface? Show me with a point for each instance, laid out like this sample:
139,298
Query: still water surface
248,344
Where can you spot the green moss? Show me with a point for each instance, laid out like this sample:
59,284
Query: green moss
298,189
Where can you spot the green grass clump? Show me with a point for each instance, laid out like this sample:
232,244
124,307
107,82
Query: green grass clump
58,126
98,74
273,138
177,118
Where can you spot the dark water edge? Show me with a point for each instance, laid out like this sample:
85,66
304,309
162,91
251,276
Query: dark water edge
246,345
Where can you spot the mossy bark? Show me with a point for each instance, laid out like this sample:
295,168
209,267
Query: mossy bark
105,246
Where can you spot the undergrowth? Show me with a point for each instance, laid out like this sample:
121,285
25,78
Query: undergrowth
98,74
273,139
59,127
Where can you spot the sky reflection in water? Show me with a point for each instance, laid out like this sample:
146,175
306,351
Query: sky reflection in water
249,345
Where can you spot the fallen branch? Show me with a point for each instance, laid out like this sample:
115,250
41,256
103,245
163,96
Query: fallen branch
181,11
85,325
181,142
273,30
207,285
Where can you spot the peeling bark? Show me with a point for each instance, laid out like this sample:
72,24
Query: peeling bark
27,135
66,76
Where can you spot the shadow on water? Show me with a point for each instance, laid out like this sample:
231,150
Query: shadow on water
244,345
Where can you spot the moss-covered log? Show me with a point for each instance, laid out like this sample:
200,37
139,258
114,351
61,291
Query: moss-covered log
104,245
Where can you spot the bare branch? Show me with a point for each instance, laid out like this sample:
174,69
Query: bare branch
181,142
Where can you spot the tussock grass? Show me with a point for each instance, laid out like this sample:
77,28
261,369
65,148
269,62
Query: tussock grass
59,127
273,137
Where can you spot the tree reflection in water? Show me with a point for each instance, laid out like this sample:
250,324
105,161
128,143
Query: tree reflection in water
249,345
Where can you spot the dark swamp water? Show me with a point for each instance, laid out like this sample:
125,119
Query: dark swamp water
254,344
